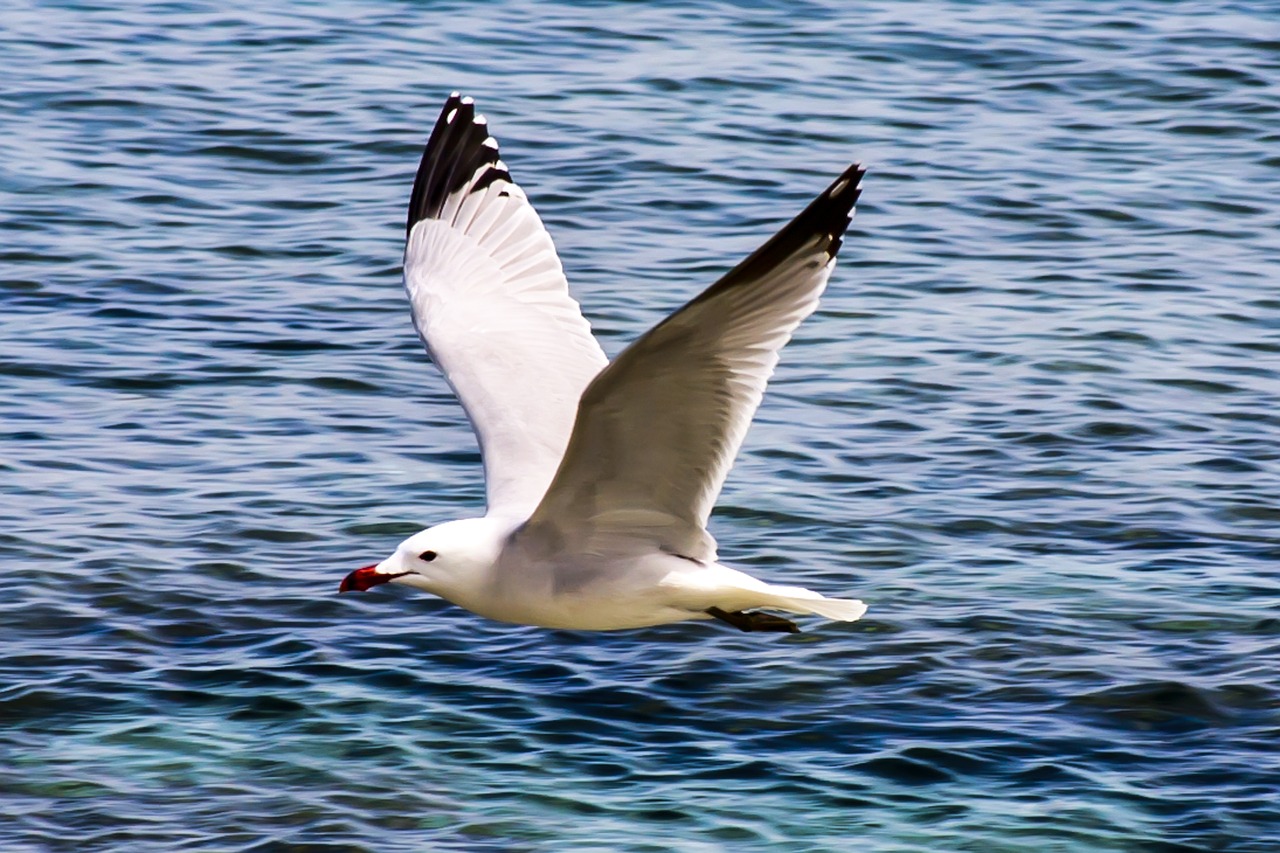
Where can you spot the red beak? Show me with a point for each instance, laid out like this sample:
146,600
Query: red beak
362,579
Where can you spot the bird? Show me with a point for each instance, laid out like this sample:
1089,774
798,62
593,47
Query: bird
600,476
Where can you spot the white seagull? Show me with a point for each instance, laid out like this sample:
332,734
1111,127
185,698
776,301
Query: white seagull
600,476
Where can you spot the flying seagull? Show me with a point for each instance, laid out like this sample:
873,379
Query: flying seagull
599,476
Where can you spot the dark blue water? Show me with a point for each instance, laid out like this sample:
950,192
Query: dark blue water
1035,425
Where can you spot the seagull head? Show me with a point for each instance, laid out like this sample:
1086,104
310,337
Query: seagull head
442,560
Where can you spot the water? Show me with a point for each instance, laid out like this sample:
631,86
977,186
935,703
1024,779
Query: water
1035,425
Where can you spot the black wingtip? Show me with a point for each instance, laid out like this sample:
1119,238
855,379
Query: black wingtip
831,212
459,147
825,219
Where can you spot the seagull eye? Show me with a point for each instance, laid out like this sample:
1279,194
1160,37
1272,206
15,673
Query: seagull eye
428,556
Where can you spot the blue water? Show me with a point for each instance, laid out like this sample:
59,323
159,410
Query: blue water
1035,425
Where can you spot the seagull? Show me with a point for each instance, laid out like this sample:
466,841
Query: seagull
599,475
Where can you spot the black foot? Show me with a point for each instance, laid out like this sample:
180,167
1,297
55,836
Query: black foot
753,621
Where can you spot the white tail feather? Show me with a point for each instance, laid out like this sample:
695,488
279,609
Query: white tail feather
799,600
839,609
731,590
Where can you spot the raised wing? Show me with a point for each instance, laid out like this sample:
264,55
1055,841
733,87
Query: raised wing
491,303
658,429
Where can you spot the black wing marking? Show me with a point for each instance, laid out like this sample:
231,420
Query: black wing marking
460,156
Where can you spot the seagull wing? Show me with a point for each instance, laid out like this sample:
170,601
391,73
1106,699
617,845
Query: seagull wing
658,429
491,303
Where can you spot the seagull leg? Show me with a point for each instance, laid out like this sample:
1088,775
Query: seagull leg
754,621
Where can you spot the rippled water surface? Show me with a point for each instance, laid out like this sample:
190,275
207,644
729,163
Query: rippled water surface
1035,425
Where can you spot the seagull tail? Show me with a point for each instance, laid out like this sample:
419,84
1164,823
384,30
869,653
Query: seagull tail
798,600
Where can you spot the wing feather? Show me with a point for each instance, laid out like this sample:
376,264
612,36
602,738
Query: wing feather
491,304
658,429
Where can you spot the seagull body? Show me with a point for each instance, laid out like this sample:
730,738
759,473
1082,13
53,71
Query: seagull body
599,476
